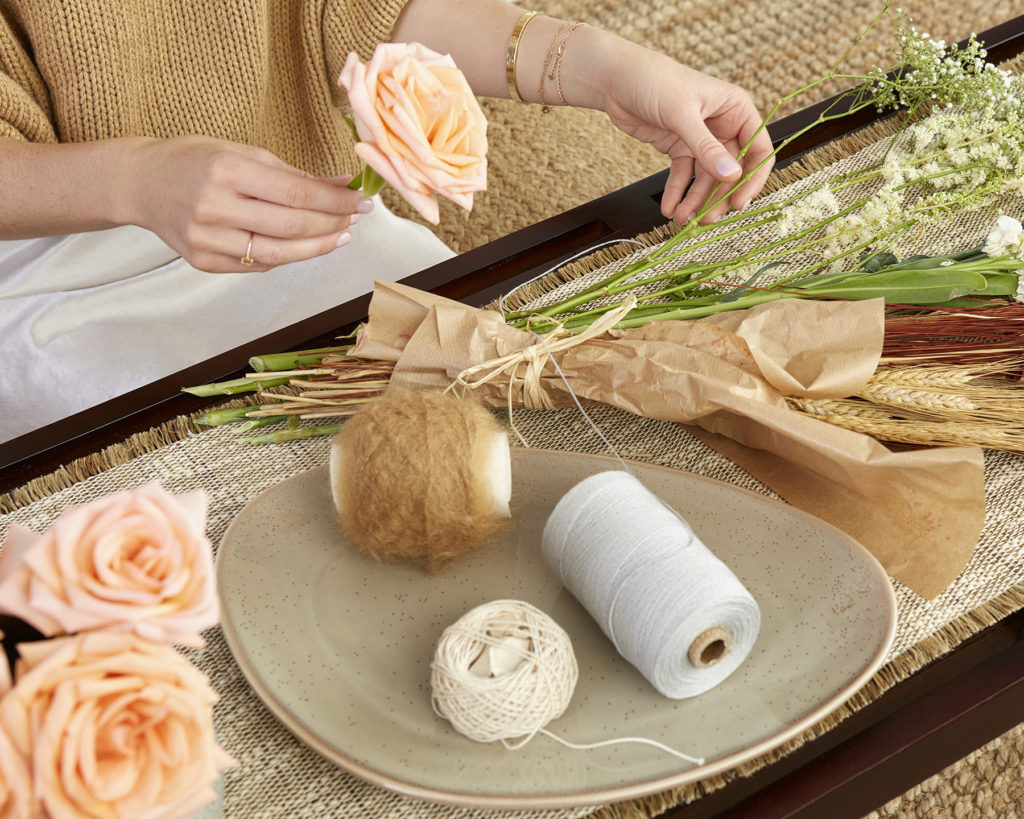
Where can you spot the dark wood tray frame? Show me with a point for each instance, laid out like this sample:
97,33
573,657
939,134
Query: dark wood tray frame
935,717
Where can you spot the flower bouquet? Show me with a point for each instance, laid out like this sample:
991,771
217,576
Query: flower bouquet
99,715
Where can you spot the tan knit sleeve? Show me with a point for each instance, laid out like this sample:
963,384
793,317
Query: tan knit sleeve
25,110
356,25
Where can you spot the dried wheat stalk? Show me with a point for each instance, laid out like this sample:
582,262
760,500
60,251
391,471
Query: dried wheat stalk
970,405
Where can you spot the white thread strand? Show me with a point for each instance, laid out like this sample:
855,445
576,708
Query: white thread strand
696,760
648,581
584,252
576,400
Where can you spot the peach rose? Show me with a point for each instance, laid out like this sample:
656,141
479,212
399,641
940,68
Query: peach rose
419,124
17,800
113,726
136,560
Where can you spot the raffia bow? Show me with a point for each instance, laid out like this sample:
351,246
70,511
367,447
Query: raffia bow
534,358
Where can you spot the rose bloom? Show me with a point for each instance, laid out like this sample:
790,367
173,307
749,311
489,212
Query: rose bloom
114,726
16,797
419,124
136,560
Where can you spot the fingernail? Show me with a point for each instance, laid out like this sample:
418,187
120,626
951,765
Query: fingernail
344,238
344,178
744,204
727,166
355,217
365,206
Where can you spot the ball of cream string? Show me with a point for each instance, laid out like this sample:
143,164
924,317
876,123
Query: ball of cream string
421,476
504,670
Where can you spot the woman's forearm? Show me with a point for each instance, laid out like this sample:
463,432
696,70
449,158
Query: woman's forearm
48,189
476,33
702,124
225,207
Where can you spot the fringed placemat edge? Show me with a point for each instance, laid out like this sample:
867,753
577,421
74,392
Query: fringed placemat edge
88,466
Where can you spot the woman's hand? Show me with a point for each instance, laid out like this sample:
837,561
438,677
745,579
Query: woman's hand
207,198
699,122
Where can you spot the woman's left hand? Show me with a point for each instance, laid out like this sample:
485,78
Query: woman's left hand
699,122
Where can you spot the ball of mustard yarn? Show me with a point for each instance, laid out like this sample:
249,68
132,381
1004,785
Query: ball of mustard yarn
421,477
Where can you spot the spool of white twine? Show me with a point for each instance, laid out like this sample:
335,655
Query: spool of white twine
669,606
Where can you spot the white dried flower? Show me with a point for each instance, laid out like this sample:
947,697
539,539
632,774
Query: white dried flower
1005,239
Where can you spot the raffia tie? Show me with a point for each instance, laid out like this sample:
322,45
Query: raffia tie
534,358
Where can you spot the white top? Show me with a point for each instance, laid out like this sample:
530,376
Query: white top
90,316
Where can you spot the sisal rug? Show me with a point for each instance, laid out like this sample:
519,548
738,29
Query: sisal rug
543,164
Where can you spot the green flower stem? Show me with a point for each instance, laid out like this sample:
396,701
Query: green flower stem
292,361
283,436
237,385
899,287
711,201
216,418
368,181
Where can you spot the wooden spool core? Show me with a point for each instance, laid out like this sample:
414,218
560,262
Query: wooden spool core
709,647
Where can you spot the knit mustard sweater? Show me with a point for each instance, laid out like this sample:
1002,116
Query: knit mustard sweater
261,72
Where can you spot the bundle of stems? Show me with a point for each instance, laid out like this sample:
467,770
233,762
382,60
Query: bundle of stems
955,336
295,387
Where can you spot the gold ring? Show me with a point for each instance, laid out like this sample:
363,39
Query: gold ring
247,259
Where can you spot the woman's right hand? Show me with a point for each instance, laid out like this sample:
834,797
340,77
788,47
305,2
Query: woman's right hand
207,198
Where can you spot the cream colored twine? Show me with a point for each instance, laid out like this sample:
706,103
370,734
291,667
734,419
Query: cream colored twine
516,702
503,705
535,357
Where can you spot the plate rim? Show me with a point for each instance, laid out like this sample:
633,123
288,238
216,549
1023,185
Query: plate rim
603,795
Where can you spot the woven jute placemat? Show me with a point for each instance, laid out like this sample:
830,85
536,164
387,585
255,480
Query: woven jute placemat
278,776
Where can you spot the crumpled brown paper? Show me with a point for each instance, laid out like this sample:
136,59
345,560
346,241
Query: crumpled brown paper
918,511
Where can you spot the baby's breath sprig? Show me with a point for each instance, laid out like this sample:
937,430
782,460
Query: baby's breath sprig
934,73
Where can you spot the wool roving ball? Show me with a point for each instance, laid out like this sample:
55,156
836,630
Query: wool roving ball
501,671
422,477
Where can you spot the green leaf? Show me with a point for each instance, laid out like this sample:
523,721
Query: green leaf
350,121
873,262
372,182
902,286
1000,284
737,292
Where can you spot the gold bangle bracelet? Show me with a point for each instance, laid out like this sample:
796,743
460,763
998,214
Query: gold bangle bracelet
513,54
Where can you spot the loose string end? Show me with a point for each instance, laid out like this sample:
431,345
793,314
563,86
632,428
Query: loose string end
696,760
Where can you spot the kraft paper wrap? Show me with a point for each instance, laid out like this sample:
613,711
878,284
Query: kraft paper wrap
919,511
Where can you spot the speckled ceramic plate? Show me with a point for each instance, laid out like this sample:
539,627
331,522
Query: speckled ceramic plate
339,646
